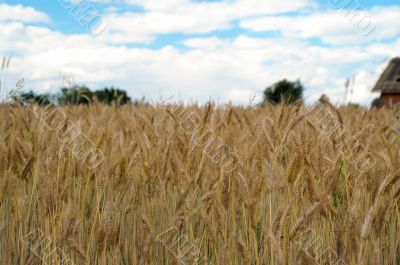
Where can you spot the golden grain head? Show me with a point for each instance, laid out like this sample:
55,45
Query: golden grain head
164,194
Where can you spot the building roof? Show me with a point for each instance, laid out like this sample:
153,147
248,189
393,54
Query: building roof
389,82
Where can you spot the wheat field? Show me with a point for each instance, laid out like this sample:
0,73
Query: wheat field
174,184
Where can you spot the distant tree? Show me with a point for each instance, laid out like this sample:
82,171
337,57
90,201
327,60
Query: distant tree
112,96
75,95
324,98
376,103
354,105
284,91
35,98
78,95
142,101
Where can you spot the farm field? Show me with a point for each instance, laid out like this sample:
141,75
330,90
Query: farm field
172,184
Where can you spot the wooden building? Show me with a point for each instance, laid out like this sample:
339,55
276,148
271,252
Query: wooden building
389,85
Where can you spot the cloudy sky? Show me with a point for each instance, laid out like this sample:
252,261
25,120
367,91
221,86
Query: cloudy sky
196,50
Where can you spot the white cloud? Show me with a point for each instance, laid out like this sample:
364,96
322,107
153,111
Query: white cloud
185,16
24,39
143,28
21,13
209,67
334,27
241,8
212,43
361,89
244,97
231,70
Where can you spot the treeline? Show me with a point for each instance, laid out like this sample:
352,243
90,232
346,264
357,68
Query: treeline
78,95
283,91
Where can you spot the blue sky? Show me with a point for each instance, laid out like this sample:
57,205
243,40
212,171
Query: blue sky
201,50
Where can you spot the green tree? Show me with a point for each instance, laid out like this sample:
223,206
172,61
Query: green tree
354,105
112,96
324,98
376,103
78,95
75,95
284,91
31,97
